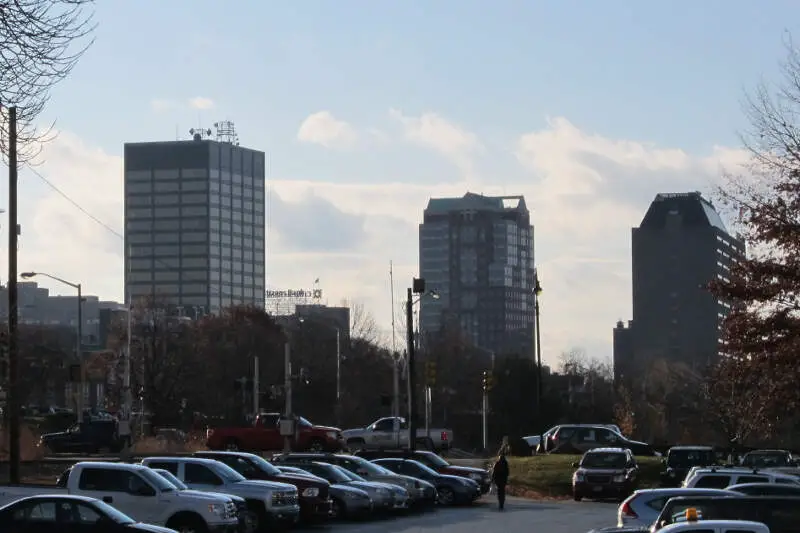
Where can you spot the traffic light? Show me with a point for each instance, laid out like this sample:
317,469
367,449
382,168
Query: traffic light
430,373
485,381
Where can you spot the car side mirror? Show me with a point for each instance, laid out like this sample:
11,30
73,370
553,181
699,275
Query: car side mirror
575,465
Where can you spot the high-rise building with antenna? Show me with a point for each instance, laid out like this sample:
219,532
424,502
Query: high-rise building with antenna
194,221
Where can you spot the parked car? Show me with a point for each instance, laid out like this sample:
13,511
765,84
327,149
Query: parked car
452,490
421,492
681,459
538,443
138,492
720,478
67,513
402,498
479,475
781,514
392,433
268,502
265,435
347,500
642,507
769,459
765,489
241,505
578,439
90,436
315,502
380,493
603,473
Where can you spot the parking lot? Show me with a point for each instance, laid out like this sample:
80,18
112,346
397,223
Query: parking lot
483,517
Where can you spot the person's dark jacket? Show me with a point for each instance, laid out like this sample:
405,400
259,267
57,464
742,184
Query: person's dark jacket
500,471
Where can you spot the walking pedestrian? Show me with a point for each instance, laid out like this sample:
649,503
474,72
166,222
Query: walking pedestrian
500,472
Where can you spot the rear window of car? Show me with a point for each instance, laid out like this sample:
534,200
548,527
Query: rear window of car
713,482
656,503
752,479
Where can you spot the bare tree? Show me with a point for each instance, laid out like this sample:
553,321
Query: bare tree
363,324
40,43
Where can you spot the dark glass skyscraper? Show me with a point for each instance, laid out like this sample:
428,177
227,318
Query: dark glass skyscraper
680,247
477,253
194,223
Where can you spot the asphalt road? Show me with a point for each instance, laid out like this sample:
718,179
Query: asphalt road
483,517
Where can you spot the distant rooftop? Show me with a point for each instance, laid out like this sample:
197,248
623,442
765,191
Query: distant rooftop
691,206
478,202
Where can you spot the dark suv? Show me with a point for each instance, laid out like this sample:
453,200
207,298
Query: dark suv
681,459
605,473
579,438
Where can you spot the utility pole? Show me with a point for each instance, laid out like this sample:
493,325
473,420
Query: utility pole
537,290
287,388
338,377
396,384
79,353
412,426
485,411
12,400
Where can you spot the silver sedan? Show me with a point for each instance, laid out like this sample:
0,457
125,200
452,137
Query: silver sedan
642,507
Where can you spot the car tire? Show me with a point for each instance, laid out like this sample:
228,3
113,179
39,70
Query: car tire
446,496
577,496
316,446
355,445
337,509
188,524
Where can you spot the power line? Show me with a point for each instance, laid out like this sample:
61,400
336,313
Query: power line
75,204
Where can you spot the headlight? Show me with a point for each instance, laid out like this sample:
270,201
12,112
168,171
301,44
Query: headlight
619,479
217,509
332,435
578,477
476,477
311,492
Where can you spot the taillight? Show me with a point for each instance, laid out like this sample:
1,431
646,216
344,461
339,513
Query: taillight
209,432
627,511
444,436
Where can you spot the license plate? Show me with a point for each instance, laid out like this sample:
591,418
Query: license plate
597,489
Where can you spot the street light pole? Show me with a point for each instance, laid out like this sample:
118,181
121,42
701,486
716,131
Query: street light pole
338,376
79,332
412,407
537,290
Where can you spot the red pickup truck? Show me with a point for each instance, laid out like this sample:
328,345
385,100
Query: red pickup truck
264,435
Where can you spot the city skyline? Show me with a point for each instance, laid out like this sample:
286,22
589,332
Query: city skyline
366,113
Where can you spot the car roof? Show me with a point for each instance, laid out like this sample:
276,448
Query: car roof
86,499
759,452
200,455
686,491
109,465
761,485
692,447
195,460
728,525
607,450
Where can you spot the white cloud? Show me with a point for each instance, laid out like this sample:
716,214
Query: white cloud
438,134
324,129
161,104
585,192
201,102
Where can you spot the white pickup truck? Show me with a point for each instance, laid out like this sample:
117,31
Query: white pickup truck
268,502
392,433
141,494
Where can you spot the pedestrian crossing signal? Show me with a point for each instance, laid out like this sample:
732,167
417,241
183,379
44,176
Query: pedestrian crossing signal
430,373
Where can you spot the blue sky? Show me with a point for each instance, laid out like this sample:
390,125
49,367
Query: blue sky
588,108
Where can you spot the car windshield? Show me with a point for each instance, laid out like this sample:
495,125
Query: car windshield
604,460
330,473
169,476
687,458
157,481
303,422
424,468
431,459
263,465
350,475
766,459
228,473
372,468
113,514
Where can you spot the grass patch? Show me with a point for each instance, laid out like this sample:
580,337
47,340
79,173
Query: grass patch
550,476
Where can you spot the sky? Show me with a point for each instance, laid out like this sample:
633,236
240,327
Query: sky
368,109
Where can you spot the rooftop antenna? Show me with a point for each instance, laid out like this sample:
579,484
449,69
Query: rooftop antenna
200,134
226,132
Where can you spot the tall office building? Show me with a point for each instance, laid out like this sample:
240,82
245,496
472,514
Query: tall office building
680,247
194,223
476,252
